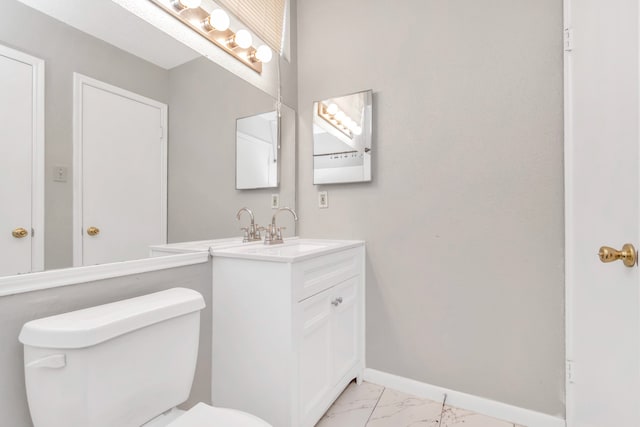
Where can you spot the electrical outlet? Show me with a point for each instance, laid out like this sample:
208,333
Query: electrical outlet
275,201
323,200
60,173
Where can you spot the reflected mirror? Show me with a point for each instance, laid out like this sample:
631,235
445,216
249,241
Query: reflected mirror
102,41
342,139
257,151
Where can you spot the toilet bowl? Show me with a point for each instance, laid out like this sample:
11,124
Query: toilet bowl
125,364
203,415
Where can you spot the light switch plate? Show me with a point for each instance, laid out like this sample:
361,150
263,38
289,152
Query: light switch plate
323,200
275,201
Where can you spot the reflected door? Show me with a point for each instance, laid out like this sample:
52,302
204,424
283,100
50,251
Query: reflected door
21,139
120,186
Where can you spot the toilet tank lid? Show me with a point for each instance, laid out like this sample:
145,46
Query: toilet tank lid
91,326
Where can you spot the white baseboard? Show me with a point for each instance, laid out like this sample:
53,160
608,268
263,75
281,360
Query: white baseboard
480,405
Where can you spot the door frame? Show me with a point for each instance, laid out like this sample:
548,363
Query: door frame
568,209
79,82
569,232
37,153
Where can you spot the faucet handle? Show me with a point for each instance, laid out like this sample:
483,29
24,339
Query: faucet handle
245,237
269,234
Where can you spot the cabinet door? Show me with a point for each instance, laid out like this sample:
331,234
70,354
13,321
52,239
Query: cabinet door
344,327
315,352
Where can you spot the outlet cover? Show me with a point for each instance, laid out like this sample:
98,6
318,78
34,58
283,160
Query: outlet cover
275,201
60,173
323,200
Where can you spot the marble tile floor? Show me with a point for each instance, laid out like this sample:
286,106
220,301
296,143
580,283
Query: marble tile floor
372,405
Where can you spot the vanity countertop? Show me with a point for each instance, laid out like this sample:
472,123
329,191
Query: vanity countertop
292,250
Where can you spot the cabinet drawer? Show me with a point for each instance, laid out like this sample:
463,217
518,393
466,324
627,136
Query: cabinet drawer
318,274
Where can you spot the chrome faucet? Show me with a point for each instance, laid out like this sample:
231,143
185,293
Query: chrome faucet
274,233
252,232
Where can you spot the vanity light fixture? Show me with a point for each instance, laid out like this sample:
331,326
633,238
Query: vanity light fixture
214,27
339,119
263,53
241,39
217,21
187,4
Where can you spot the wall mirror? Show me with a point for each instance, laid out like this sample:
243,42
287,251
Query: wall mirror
257,151
104,42
342,128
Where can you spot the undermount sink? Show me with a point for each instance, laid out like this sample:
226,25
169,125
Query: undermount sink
292,250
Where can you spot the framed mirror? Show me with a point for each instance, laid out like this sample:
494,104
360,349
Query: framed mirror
342,134
257,151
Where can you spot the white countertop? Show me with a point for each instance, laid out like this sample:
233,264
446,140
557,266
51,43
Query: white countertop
293,249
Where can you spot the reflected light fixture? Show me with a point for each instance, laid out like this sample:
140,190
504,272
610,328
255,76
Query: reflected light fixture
339,119
217,21
241,39
264,53
187,4
214,26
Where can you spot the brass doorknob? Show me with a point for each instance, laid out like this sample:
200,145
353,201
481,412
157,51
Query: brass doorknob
19,233
628,254
93,231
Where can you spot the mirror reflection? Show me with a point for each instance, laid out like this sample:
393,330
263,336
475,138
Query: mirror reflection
257,151
107,77
342,139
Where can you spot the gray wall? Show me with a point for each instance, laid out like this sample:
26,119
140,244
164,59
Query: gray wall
65,51
18,309
464,217
205,102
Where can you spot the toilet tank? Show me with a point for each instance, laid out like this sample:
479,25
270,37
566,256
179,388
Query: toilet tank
118,364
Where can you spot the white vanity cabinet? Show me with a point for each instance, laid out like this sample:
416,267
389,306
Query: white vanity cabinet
288,328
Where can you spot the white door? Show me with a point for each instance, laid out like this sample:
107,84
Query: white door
21,162
120,180
601,162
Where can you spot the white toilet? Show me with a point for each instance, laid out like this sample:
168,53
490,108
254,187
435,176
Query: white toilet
124,364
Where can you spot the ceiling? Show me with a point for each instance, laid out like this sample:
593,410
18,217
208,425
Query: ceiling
107,21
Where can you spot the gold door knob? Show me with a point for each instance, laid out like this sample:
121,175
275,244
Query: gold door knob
93,231
627,254
19,233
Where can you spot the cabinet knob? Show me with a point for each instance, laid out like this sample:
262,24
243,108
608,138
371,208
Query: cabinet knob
337,301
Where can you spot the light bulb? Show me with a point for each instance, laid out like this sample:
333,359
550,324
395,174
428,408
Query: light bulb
243,39
348,122
357,130
264,53
218,20
332,109
190,4
340,116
